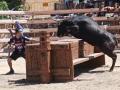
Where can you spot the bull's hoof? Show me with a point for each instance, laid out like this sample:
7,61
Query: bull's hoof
110,70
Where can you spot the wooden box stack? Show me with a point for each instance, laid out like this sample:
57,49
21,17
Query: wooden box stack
63,52
79,48
76,47
38,60
87,49
61,61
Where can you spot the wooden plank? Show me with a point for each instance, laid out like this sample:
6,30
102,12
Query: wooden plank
79,60
52,12
95,55
33,31
5,31
105,19
4,40
49,12
3,54
48,21
51,21
117,27
73,11
66,11
9,21
36,72
61,72
91,56
12,13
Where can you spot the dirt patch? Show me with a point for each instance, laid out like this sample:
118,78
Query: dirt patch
96,79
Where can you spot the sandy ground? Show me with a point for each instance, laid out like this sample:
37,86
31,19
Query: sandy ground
96,79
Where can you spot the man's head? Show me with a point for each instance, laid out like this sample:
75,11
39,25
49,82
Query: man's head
18,29
18,33
18,26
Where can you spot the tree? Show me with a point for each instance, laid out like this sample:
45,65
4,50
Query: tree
3,5
13,4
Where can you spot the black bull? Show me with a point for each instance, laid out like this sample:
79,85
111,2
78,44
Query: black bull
85,28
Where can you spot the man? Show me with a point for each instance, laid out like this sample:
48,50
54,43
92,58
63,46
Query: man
19,43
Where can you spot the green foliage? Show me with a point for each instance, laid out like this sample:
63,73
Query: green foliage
3,5
13,4
10,4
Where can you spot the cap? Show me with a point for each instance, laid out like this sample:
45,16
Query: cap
18,26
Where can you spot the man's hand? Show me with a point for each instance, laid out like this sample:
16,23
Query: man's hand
33,39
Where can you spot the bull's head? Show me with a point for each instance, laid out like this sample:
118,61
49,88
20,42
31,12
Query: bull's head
66,27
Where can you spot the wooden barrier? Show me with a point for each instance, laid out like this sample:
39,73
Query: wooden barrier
38,60
30,31
34,32
58,60
17,13
65,54
50,21
113,29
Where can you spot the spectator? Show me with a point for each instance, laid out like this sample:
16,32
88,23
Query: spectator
76,4
88,4
69,4
109,2
102,8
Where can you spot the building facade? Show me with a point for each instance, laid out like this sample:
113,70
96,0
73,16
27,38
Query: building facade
40,5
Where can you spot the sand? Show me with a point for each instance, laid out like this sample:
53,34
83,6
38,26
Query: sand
96,79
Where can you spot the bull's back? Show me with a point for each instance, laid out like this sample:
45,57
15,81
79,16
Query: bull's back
90,31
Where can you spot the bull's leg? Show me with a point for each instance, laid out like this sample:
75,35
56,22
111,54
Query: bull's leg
114,57
108,49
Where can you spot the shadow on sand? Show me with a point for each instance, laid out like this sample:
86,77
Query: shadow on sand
22,82
78,70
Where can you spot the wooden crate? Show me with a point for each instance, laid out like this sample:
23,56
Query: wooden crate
61,61
76,47
79,48
37,64
45,45
87,49
44,40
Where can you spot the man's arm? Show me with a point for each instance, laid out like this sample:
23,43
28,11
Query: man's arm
33,39
11,33
30,39
9,48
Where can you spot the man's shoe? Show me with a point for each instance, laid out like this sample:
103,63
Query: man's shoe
10,72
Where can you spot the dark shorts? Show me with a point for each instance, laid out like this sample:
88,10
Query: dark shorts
15,55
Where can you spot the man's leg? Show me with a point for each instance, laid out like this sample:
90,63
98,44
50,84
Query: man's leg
10,66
